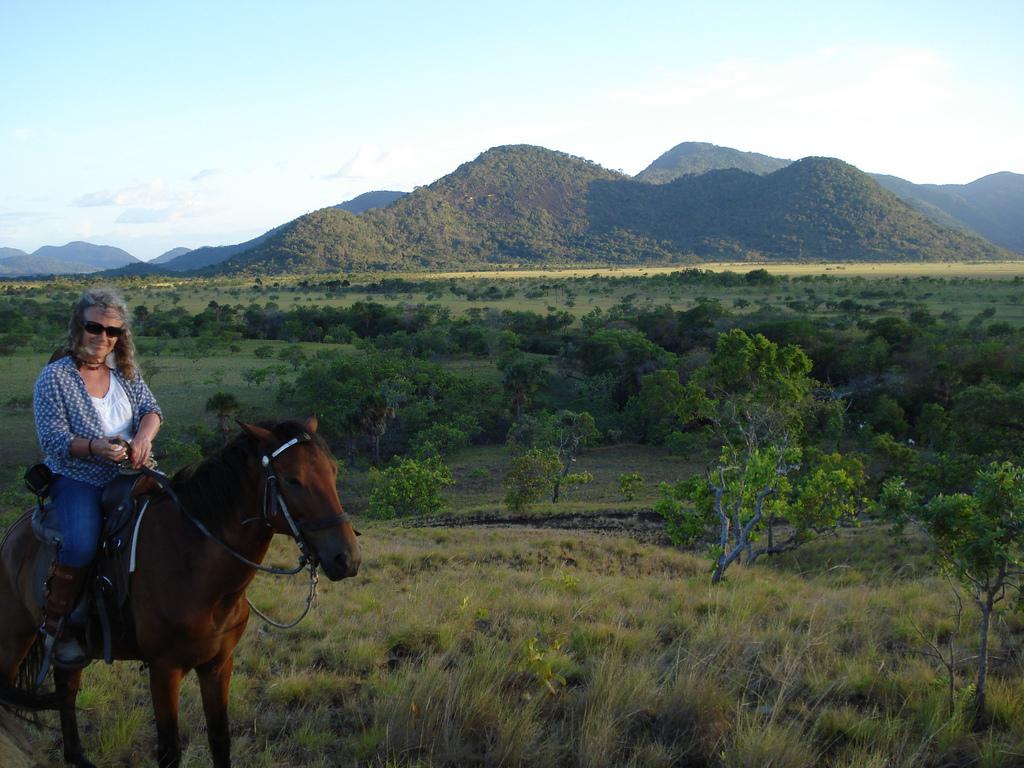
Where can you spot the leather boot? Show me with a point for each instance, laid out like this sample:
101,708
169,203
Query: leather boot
65,586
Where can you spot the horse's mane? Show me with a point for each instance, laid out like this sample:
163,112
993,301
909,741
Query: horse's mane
214,486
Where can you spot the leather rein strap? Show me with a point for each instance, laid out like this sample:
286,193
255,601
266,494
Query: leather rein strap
271,503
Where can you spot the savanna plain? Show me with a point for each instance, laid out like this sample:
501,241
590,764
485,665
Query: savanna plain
491,625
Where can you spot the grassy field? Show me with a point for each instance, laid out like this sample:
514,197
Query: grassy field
493,647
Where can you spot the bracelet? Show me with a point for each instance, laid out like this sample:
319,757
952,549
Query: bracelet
90,445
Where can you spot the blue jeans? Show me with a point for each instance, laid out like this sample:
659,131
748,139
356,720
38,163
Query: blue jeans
80,517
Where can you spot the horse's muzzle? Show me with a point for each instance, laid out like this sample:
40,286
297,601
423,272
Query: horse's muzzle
341,566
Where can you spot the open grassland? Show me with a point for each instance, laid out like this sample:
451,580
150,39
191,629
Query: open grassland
966,287
992,269
486,647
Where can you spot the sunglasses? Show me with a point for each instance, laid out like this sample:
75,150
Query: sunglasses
112,331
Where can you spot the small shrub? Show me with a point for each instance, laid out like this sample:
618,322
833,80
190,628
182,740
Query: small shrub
630,484
410,488
683,524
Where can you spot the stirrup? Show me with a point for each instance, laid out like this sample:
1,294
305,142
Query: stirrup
68,653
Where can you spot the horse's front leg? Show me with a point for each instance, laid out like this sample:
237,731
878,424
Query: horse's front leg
214,681
67,682
164,687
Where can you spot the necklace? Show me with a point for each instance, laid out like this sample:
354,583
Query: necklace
92,366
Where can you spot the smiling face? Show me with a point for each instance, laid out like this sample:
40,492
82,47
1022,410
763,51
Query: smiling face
96,346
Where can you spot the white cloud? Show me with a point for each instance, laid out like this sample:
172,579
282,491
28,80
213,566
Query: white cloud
375,163
150,193
187,210
206,173
369,162
145,216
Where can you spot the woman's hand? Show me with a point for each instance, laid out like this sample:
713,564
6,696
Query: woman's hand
141,447
142,443
112,450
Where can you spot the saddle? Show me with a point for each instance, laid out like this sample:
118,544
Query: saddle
101,608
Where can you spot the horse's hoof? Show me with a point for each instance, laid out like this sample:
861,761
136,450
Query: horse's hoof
79,761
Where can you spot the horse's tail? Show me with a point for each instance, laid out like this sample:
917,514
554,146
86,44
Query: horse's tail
12,697
22,694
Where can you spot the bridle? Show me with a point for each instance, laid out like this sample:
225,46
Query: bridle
271,504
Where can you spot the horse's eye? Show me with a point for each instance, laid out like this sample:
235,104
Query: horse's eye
294,481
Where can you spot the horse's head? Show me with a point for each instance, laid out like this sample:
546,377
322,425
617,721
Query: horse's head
298,469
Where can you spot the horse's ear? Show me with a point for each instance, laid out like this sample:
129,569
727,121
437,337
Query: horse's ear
258,432
311,423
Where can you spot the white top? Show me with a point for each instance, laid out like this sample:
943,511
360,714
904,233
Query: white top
114,410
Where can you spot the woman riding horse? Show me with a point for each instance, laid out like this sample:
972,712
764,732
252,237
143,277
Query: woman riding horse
89,403
198,548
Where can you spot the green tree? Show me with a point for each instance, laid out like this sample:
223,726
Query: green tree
573,431
379,407
757,396
225,405
980,536
828,491
293,355
756,393
660,407
684,523
531,477
627,354
522,376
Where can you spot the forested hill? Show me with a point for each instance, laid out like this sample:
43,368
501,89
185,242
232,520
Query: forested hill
816,208
512,204
692,158
992,206
524,205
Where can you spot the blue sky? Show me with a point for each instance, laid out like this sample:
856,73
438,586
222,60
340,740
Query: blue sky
149,126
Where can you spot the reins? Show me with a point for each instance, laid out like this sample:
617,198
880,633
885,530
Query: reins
271,503
313,580
165,486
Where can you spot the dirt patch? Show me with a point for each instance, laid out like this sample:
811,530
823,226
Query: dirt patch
15,742
643,525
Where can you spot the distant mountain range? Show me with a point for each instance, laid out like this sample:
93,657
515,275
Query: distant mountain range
526,205
992,206
369,200
170,255
74,258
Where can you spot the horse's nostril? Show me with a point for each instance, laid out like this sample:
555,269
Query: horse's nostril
346,564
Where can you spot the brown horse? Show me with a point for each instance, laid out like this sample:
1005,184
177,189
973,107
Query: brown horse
195,558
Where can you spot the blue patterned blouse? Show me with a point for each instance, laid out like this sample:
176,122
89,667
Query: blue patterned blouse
64,411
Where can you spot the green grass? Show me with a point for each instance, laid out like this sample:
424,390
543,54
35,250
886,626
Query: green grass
424,659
